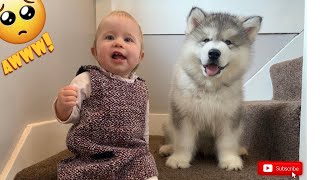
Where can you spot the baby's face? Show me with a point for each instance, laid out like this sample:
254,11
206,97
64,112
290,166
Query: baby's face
118,45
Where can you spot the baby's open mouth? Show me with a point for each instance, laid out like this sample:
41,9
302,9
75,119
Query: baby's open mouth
213,69
118,56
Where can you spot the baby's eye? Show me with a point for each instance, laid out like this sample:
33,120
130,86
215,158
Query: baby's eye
109,37
128,39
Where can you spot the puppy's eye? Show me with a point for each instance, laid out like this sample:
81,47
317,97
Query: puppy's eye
228,42
205,40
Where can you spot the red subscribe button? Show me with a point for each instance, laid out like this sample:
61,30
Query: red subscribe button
280,168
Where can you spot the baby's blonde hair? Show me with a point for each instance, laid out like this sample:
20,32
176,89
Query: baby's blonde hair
126,15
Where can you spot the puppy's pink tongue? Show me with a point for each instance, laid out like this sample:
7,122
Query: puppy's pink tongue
212,69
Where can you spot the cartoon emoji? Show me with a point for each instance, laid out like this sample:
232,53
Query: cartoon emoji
21,20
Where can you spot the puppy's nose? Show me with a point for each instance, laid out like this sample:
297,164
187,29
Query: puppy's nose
214,54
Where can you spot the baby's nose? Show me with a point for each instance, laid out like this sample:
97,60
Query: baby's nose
118,43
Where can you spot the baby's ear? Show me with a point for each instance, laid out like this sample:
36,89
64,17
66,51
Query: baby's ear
94,52
141,55
252,26
196,16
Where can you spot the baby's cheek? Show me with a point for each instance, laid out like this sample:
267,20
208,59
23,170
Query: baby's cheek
103,56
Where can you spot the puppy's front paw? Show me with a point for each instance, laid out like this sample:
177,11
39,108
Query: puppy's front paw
243,151
166,150
177,162
231,162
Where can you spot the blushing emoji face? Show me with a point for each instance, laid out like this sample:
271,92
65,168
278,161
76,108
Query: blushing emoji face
21,20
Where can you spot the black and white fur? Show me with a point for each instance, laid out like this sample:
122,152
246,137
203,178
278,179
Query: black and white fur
206,91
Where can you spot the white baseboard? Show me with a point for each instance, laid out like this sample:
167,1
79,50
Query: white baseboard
37,142
42,140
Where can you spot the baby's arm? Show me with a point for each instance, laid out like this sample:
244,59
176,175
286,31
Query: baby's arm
146,133
66,100
66,108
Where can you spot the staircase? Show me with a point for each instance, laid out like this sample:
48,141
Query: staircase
272,131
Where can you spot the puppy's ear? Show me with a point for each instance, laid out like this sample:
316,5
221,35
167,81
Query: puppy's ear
252,26
196,16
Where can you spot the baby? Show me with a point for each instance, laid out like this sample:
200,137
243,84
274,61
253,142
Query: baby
108,106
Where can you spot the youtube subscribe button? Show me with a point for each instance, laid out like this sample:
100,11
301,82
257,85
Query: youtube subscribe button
280,168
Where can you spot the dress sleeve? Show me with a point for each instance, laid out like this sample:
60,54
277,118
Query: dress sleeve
146,133
82,82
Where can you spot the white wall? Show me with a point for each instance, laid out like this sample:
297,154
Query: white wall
169,16
27,93
259,86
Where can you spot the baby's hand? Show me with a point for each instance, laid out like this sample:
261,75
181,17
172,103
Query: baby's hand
66,100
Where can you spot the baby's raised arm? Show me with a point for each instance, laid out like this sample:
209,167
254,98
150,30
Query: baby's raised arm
66,100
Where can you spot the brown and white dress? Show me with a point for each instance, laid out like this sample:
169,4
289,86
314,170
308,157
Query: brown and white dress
109,132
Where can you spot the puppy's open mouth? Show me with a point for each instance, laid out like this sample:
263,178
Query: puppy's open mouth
213,69
118,56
